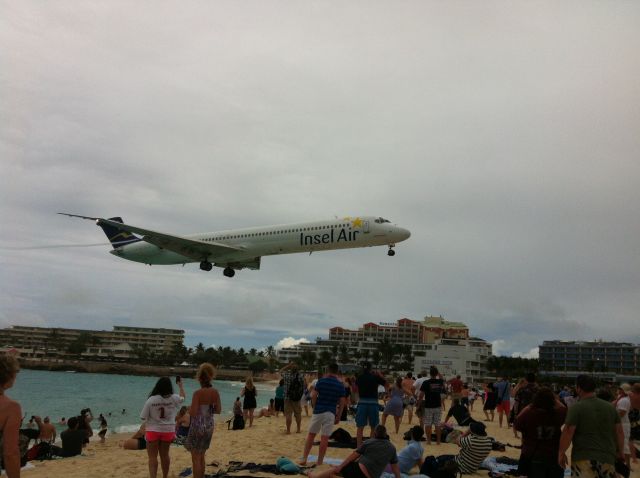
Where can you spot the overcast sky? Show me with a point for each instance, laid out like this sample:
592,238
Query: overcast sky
504,135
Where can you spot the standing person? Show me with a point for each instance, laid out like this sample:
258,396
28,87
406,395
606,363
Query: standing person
503,399
490,399
473,395
293,392
205,403
368,461
523,394
347,398
431,391
10,417
540,424
623,407
249,393
409,400
456,387
464,395
367,411
159,413
279,403
594,428
103,428
394,406
328,399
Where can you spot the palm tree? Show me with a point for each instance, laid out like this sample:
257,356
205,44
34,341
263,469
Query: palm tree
326,358
344,353
308,359
270,352
387,351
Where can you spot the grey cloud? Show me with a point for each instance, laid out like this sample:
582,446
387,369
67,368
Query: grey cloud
505,139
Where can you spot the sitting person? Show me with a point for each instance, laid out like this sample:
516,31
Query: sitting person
474,445
137,441
460,413
267,411
47,430
411,455
183,421
368,461
72,438
237,421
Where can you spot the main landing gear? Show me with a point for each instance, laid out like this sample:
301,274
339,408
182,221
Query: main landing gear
391,252
228,272
206,266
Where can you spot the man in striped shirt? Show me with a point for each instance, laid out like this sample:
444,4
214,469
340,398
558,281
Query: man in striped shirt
475,446
328,399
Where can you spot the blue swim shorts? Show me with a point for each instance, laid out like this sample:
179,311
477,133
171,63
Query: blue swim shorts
367,414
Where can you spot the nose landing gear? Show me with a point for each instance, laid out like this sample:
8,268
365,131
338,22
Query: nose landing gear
206,265
228,272
391,252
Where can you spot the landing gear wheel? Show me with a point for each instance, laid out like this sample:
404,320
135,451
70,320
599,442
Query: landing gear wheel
229,272
206,265
391,252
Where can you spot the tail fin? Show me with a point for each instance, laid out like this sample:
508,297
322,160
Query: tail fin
118,237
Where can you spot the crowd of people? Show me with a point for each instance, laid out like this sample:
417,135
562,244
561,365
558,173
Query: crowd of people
594,422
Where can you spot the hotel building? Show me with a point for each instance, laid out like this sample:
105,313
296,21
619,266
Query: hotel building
432,341
121,342
620,358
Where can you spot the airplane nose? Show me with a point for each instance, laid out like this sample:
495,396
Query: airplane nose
404,234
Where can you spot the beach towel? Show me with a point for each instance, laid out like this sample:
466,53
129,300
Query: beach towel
326,461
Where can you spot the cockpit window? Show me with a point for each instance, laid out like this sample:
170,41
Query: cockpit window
381,220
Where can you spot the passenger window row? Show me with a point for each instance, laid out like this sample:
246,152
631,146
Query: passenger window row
270,233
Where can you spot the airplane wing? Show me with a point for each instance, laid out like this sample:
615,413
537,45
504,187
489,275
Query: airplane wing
197,250
192,248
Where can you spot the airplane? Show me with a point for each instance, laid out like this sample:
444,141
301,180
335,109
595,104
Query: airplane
242,248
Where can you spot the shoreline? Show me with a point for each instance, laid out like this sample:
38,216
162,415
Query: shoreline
119,368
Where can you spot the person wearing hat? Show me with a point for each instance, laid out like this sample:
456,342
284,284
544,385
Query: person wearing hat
411,455
474,445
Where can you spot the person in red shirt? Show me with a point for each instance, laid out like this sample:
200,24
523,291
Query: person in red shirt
540,424
456,387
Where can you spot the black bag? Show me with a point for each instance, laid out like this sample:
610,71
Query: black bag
238,422
341,436
441,467
296,388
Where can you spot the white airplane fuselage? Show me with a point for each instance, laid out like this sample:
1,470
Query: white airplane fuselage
252,243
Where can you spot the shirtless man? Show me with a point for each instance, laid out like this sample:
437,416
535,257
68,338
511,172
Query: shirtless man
10,416
47,430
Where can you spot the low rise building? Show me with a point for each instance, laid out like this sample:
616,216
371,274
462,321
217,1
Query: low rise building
620,358
121,342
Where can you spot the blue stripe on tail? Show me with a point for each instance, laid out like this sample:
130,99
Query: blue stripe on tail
117,237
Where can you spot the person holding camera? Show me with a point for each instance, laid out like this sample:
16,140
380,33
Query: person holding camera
159,413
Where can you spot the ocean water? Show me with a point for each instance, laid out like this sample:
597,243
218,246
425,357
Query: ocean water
64,394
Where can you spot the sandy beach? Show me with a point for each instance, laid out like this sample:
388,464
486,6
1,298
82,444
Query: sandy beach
263,443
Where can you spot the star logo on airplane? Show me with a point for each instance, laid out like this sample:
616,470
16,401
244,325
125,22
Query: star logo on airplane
357,222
